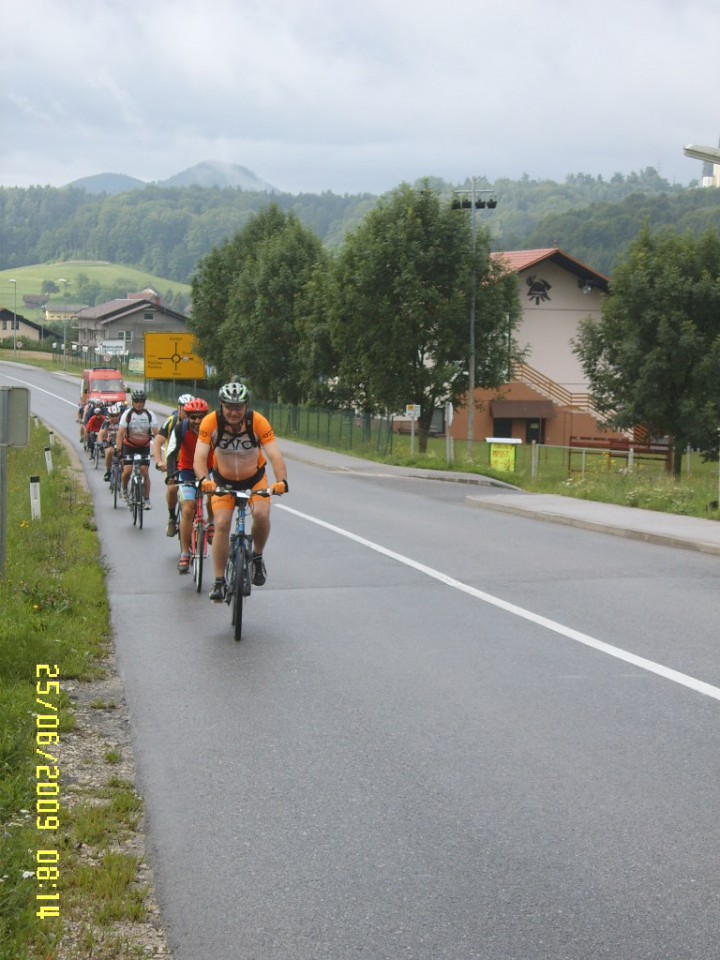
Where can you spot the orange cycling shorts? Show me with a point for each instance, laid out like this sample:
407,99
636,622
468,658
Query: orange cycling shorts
228,502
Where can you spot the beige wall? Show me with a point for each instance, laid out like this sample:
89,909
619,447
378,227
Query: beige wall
549,326
24,331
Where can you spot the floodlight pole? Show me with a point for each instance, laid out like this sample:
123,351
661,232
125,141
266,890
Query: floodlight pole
474,199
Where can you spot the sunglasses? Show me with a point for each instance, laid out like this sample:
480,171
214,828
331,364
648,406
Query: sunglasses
196,416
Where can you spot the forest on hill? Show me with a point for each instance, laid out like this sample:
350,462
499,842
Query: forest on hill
168,231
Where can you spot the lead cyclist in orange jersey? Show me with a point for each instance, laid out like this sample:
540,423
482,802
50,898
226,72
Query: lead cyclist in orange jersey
241,442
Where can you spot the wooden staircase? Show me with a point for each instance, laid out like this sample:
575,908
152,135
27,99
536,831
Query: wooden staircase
578,402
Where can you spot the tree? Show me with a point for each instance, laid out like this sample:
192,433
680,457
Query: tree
652,358
211,287
262,330
400,307
248,301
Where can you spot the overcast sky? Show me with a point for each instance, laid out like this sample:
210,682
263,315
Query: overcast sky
351,96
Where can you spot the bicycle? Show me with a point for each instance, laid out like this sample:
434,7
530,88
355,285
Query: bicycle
136,488
115,479
198,541
198,537
89,444
99,453
238,570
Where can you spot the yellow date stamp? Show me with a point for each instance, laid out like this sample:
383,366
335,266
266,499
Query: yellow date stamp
47,788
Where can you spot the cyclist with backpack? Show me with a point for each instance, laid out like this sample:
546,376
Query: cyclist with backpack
240,441
137,428
160,447
108,436
92,427
180,455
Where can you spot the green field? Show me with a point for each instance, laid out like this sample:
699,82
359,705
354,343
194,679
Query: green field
30,280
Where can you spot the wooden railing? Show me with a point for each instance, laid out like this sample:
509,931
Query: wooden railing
552,390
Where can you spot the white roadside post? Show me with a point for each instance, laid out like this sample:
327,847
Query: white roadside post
449,451
35,498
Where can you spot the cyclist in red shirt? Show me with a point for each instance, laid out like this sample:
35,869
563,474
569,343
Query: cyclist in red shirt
180,454
92,428
108,436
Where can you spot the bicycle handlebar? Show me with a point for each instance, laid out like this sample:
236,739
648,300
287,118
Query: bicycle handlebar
219,491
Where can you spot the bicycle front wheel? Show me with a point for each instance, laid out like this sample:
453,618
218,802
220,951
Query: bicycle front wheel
135,501
198,555
239,590
115,487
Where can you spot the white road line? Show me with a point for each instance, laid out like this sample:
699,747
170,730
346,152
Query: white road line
667,673
33,386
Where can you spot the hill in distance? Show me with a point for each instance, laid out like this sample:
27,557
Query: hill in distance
108,183
210,173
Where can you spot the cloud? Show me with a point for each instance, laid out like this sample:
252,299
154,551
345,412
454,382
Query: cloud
356,96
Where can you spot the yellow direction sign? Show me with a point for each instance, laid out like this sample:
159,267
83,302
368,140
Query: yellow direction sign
169,356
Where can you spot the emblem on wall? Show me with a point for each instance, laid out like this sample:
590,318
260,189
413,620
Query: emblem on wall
538,289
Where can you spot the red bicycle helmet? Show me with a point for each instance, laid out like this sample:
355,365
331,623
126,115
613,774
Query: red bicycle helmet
197,405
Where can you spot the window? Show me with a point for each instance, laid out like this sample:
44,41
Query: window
149,315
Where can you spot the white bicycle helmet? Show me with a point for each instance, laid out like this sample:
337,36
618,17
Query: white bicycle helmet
234,393
184,398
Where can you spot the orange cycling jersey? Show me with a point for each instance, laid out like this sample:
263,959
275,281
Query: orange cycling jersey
237,456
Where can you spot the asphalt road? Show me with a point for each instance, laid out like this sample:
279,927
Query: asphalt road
421,748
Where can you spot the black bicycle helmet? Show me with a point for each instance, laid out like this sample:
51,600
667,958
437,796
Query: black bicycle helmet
138,395
234,393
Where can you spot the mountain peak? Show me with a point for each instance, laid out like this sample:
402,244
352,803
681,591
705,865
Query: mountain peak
215,173
209,173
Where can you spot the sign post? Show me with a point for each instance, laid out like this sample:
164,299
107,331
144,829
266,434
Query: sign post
412,410
14,432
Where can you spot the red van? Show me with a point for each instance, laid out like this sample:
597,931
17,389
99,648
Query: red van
104,385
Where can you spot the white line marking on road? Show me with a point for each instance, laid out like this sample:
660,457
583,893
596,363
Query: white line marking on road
699,686
40,389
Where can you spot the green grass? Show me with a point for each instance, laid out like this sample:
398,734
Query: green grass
30,280
647,485
53,610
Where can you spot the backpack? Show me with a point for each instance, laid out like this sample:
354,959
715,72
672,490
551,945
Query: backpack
138,413
221,423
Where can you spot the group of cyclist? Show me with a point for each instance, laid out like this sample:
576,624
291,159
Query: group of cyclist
199,450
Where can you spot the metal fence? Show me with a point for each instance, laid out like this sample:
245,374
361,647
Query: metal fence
336,429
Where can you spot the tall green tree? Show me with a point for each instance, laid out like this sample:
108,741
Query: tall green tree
248,298
262,332
653,357
400,307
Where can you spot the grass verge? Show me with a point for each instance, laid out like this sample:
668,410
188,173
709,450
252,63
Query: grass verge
54,634
646,485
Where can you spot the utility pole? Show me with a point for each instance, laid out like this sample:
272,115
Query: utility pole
65,286
14,283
